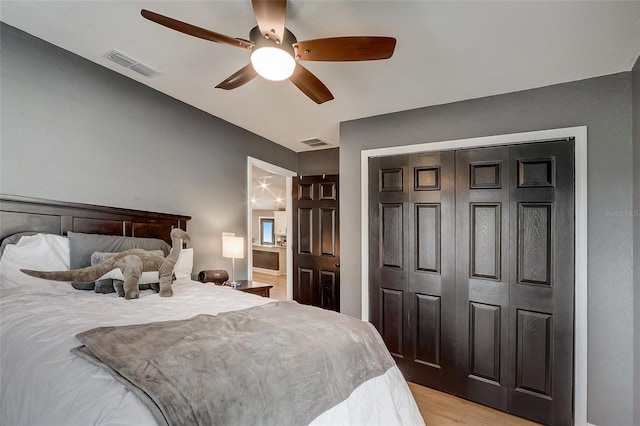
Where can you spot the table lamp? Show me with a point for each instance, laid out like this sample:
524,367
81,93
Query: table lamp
233,247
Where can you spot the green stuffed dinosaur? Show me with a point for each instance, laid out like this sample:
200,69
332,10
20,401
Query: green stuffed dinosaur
132,263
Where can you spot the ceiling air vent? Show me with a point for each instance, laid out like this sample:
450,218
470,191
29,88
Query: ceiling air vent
127,62
314,143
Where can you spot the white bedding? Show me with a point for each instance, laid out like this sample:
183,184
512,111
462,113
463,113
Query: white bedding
42,383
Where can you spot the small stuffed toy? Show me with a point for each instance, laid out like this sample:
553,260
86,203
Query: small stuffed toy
110,285
132,263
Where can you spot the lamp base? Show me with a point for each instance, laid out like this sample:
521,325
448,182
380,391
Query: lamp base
234,283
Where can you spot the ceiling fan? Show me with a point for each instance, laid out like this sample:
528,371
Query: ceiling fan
275,51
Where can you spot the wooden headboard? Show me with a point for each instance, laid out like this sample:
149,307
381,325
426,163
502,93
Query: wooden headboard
22,214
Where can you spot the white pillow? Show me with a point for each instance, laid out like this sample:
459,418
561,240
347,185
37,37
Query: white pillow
184,265
42,252
145,278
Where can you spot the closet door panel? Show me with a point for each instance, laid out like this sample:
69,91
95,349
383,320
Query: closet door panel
392,244
482,289
534,243
484,341
534,353
391,321
542,282
486,253
428,328
388,259
431,268
427,217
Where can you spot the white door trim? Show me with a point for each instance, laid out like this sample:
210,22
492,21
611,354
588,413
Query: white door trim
288,174
581,319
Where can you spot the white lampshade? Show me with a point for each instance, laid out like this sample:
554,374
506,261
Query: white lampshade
232,246
273,63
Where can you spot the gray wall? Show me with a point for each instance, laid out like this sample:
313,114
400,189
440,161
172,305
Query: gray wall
323,161
604,105
636,236
75,131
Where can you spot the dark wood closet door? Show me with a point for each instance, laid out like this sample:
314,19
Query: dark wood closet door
316,241
482,275
472,273
431,272
388,260
515,279
412,263
541,298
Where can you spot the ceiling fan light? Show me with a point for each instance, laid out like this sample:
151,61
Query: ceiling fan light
273,63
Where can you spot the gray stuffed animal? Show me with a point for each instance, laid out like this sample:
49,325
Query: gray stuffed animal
132,263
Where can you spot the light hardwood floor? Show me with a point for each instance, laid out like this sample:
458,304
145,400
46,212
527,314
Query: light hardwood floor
279,283
441,409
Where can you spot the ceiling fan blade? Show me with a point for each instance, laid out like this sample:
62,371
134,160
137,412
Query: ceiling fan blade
192,30
345,49
242,76
271,15
310,85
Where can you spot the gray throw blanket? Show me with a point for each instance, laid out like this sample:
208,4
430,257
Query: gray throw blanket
277,364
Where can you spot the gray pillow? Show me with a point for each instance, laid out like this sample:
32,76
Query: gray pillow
83,245
106,285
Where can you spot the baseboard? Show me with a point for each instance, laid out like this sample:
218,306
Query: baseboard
268,271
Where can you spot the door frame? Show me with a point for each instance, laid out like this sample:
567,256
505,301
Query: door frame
288,174
579,134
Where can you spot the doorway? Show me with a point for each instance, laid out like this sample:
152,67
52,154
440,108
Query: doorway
581,235
268,222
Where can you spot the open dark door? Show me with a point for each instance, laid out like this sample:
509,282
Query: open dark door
316,241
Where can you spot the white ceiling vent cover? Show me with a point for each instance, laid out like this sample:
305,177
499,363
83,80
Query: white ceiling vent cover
127,62
314,143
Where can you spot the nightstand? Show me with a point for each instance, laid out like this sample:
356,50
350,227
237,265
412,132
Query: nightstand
254,288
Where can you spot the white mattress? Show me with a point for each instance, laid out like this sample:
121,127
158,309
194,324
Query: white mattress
42,383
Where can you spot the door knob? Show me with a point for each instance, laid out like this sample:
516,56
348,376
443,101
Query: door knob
337,265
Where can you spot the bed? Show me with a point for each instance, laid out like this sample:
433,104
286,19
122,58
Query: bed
42,382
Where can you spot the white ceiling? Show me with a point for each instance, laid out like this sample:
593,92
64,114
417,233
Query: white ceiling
268,190
446,52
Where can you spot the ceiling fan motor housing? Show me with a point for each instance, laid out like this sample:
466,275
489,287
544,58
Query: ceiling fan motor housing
260,41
